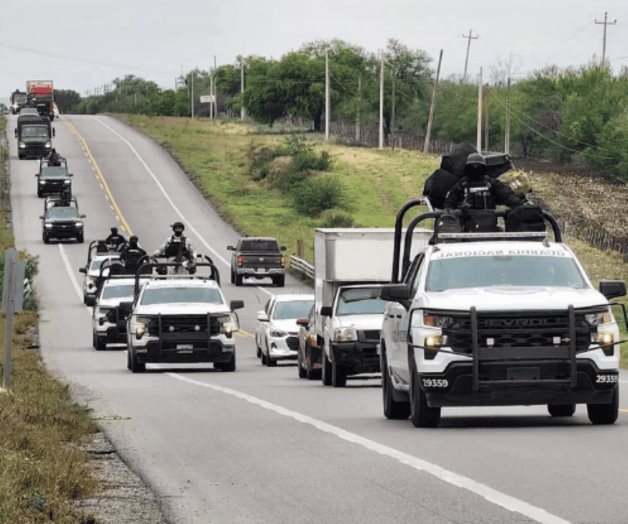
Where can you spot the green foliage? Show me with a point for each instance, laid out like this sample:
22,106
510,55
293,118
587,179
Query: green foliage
336,218
67,100
313,195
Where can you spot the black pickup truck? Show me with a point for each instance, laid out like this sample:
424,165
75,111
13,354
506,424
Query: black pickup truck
257,257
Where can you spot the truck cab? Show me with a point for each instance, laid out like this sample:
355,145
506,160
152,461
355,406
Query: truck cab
34,136
495,319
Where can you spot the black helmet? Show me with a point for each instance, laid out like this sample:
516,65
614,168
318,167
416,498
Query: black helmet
177,225
133,240
114,230
476,159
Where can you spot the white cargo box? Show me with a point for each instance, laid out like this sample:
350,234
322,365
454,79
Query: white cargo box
359,254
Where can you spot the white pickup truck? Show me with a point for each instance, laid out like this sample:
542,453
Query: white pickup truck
492,319
181,319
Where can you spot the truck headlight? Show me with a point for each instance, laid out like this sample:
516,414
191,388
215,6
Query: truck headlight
603,330
67,181
345,334
278,333
78,224
22,145
228,325
48,145
437,321
140,330
48,225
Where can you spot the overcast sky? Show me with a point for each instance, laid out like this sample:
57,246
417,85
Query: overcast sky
84,43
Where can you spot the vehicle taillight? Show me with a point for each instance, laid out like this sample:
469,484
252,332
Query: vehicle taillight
240,260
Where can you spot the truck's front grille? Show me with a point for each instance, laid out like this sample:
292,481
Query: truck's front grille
371,334
518,331
293,343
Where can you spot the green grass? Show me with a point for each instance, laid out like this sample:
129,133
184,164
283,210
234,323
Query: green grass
42,469
376,183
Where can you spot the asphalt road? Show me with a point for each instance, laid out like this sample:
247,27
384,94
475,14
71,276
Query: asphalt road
260,445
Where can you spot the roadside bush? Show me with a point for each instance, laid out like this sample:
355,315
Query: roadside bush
336,218
313,195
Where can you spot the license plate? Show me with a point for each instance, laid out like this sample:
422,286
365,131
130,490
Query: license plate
185,346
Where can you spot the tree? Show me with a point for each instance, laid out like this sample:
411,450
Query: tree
67,100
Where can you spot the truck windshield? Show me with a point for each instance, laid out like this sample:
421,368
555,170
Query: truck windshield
118,291
262,246
362,301
293,309
34,132
179,295
496,271
62,213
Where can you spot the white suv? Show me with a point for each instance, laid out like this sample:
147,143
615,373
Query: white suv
181,320
92,281
486,319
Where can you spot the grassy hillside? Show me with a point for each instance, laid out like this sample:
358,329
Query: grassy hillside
375,184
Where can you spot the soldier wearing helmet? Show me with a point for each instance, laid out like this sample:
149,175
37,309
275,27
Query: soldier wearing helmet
177,245
476,190
115,239
131,254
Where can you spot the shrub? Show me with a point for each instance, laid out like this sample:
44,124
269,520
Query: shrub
336,218
314,195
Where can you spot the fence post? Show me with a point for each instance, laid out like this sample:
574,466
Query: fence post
300,249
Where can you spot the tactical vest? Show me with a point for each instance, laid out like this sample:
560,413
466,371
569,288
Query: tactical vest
177,247
477,194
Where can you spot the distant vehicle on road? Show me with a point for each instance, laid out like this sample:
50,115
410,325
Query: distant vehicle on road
41,97
62,223
276,333
257,257
18,101
34,136
53,180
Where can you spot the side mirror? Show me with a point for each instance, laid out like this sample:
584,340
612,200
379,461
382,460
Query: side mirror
236,304
283,248
230,248
70,174
326,311
83,270
395,293
612,288
82,216
303,322
41,216
262,316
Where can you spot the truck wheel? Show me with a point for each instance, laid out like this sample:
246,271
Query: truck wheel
133,364
302,371
279,281
326,370
21,157
238,280
259,352
270,362
393,409
338,376
561,410
604,413
227,366
39,193
232,277
80,239
421,415
99,345
45,238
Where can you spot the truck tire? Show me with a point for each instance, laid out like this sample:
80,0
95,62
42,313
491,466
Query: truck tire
238,280
98,344
325,370
604,413
232,277
279,281
80,239
45,238
338,376
270,363
259,351
421,415
393,409
227,366
133,364
561,410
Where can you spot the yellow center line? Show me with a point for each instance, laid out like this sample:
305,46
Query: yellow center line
99,175
245,333
623,410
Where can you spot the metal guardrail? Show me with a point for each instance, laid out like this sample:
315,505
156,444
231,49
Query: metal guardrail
302,266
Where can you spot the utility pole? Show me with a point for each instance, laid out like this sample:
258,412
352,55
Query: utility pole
357,120
215,91
242,108
192,94
479,127
507,123
428,133
381,100
392,115
486,121
327,109
469,37
211,94
605,23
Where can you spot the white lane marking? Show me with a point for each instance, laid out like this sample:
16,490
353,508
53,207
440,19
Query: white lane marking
68,268
492,495
172,204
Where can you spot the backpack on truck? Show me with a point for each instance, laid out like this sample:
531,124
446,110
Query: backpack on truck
525,219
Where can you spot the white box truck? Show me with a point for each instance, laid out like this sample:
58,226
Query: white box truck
351,264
